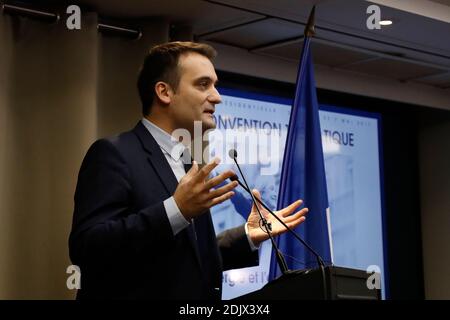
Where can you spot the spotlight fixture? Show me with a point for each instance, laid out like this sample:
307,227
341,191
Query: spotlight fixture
386,22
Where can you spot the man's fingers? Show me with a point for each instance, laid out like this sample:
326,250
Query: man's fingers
256,194
211,183
296,216
206,170
221,199
222,190
290,208
295,223
193,170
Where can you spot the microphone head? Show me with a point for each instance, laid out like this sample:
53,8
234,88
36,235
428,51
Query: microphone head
232,153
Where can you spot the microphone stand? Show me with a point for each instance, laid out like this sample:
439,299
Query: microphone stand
277,251
267,226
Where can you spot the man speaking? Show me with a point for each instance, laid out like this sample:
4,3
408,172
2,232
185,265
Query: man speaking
141,225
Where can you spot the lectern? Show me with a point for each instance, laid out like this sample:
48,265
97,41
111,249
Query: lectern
341,284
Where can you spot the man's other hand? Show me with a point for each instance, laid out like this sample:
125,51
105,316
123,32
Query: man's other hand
287,215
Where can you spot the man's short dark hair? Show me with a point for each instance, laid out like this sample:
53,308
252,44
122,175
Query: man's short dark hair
161,64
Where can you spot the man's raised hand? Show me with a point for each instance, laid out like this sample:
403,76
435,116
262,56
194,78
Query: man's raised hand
195,194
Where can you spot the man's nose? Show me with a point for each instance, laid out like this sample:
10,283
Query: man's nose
214,96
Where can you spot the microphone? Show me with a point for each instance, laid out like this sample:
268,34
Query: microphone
233,154
280,259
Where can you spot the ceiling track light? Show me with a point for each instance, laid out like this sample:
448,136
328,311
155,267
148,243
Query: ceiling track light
386,22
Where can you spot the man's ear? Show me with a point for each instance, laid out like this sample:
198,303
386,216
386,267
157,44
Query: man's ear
163,92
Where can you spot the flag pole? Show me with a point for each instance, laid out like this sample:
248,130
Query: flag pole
291,142
309,29
309,33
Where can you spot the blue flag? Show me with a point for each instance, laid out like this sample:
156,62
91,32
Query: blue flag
303,175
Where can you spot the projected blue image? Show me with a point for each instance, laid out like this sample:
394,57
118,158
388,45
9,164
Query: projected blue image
351,153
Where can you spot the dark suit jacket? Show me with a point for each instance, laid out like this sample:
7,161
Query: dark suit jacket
121,237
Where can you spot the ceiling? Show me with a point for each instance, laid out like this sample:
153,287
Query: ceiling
446,2
415,48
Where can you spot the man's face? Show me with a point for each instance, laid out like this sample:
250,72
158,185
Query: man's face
196,95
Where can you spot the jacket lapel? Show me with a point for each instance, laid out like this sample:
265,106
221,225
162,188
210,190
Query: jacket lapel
162,168
156,158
